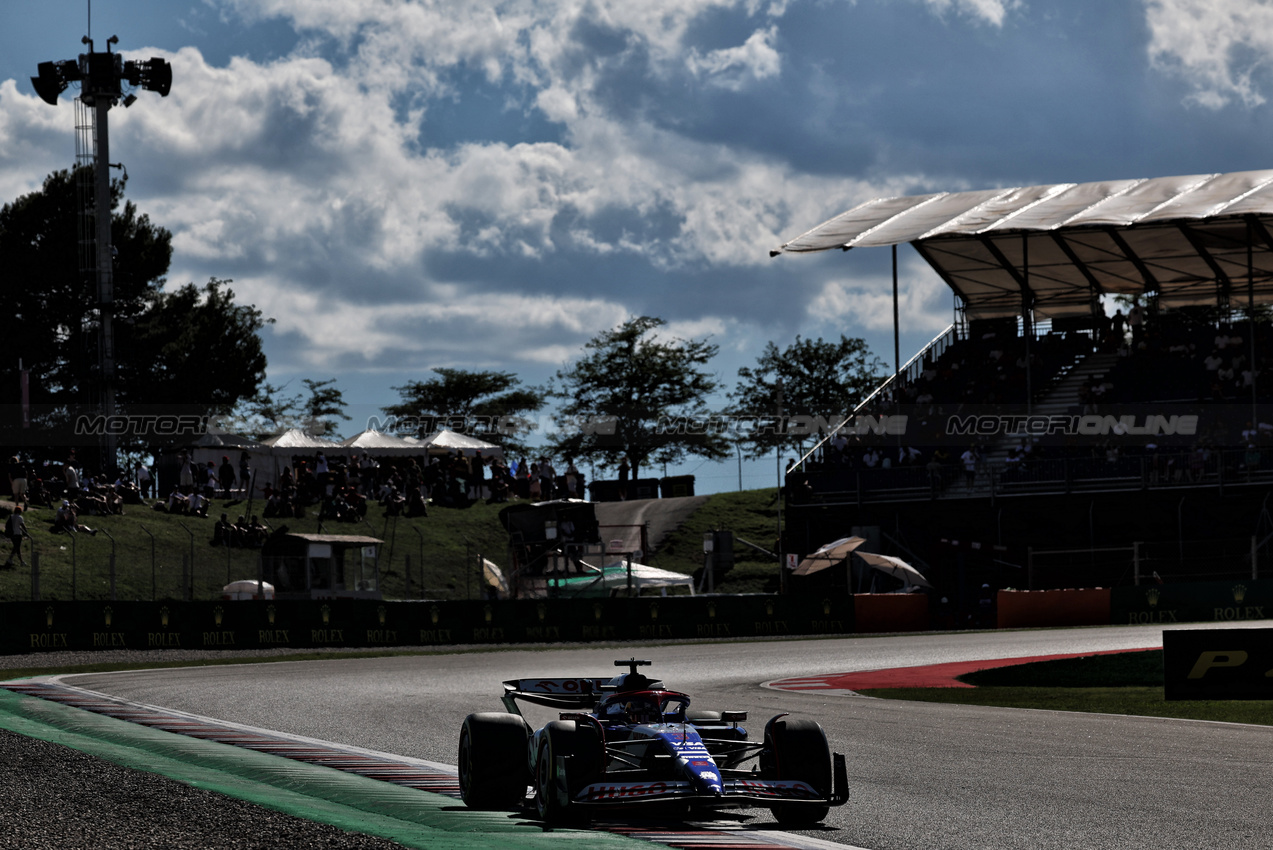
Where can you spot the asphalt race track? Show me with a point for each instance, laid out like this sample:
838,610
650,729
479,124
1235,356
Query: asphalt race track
922,776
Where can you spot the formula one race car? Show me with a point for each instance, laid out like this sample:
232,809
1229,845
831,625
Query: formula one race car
629,743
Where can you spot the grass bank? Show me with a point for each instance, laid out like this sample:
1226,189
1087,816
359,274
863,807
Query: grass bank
1125,683
149,548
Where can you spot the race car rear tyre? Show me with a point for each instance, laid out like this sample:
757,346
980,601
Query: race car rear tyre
798,750
582,754
492,761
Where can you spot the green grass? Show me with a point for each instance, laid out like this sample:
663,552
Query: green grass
448,539
1124,683
444,538
750,514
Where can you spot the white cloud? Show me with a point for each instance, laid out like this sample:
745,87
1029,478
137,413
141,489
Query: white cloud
1221,48
991,11
732,68
923,299
324,184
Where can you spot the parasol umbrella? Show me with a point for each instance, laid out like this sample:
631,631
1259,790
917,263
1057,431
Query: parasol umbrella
895,567
828,556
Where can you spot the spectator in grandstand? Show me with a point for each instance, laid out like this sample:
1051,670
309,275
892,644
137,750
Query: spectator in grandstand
1198,463
1136,321
547,478
66,519
185,472
175,503
245,473
15,528
970,458
1225,375
197,505
1117,326
145,479
207,479
223,533
257,533
225,475
936,476
18,480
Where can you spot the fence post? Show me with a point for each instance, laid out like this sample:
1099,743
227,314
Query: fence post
1136,563
112,563
185,576
35,574
1255,569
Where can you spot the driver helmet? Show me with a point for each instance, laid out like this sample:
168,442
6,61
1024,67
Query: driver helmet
643,710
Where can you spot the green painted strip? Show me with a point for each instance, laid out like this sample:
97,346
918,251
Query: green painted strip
355,803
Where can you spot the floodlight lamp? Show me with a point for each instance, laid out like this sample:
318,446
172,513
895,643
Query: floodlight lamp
53,79
159,77
153,74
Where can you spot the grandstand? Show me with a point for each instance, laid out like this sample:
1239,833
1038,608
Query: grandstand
1043,443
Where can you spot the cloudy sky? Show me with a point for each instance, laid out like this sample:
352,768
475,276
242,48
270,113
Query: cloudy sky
408,184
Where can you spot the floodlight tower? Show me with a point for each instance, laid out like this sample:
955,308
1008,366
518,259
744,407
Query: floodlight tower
101,77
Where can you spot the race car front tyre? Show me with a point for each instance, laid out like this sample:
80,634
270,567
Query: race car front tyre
798,750
582,755
492,761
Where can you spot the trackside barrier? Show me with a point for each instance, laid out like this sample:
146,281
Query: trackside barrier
1193,602
357,623
891,612
1030,608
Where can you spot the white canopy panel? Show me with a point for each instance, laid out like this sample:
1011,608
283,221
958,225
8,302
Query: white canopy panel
1058,247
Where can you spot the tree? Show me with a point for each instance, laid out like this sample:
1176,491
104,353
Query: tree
639,395
196,349
53,304
488,405
266,413
270,412
186,351
325,402
817,381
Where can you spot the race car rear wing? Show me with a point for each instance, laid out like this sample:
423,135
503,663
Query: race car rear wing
579,694
576,693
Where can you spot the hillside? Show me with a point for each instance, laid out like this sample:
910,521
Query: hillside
149,547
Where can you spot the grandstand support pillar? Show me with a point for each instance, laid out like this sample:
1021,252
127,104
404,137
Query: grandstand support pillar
1250,297
897,343
1027,327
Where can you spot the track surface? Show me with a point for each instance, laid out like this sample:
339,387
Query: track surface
922,775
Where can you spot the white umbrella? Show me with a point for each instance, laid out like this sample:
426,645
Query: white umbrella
828,556
895,567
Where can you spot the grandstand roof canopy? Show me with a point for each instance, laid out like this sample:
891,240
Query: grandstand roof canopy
1185,238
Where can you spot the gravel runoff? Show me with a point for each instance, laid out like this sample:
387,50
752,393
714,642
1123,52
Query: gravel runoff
56,797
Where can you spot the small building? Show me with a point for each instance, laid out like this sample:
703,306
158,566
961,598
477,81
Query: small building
322,566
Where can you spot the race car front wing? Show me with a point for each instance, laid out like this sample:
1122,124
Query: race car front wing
734,792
